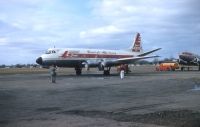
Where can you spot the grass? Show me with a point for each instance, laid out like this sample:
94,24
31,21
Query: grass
5,71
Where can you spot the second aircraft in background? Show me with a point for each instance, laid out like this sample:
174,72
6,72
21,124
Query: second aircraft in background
189,59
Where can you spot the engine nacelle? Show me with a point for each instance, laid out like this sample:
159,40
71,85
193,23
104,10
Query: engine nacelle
86,65
46,67
196,60
101,66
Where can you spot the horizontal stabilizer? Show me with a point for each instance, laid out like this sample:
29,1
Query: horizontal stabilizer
147,53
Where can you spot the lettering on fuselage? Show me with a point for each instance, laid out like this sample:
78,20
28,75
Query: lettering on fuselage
92,54
101,52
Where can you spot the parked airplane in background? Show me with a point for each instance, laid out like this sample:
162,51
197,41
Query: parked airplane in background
190,59
100,58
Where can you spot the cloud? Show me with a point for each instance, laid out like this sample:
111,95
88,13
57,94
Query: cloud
135,14
35,25
3,41
105,30
164,24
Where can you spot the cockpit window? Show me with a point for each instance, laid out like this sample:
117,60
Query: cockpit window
50,52
187,53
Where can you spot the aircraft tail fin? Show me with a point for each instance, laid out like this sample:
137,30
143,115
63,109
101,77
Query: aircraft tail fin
137,44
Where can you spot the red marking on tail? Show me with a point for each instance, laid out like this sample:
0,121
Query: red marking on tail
137,47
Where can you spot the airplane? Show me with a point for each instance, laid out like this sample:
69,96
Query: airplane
190,59
102,59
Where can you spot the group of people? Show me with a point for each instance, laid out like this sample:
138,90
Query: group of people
53,73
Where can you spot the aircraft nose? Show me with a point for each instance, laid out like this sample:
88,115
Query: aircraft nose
39,60
181,56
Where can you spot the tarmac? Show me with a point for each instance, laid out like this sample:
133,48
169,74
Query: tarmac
144,98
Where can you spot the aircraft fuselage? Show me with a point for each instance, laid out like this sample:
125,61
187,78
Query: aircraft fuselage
72,57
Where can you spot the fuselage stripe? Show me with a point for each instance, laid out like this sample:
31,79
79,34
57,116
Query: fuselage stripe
94,56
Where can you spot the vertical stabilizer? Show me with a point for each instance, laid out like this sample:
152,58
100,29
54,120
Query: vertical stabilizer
137,44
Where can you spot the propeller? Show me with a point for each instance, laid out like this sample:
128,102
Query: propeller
196,60
86,66
101,65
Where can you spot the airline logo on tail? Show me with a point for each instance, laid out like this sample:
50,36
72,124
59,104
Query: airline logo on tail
137,47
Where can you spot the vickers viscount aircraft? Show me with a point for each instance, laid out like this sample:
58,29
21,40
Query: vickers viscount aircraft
79,58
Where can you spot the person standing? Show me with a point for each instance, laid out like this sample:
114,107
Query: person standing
122,74
53,74
122,68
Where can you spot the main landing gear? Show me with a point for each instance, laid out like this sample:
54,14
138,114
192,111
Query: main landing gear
107,71
78,70
124,67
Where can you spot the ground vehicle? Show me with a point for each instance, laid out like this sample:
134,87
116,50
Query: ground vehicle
171,66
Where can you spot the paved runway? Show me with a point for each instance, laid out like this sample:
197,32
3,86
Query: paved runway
142,99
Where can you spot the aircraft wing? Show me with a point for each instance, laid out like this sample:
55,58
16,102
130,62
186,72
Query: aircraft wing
133,59
129,60
146,53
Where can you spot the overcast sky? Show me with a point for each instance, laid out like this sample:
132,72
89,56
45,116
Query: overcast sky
29,27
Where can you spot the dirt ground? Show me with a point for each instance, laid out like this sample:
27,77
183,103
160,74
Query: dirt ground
145,98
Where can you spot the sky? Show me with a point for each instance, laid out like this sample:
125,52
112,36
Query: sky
29,27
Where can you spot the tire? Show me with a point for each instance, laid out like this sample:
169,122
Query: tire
106,72
78,71
182,68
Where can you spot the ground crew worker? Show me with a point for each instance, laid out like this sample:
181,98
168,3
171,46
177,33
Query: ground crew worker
122,74
53,74
122,68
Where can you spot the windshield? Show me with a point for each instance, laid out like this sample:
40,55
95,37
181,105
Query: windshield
50,51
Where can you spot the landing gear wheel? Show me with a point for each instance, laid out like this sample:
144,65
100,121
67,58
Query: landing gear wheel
126,69
78,71
182,68
106,72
